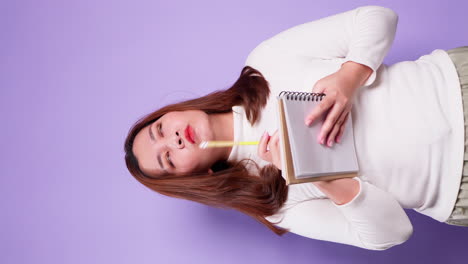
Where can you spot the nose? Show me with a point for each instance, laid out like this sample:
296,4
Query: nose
176,141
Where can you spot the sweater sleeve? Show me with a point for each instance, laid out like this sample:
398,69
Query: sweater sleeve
373,219
363,35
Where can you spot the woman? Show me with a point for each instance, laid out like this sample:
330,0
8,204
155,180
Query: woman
408,124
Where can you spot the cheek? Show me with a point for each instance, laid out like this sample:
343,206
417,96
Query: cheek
195,160
189,160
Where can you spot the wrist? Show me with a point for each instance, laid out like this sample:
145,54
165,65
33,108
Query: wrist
356,72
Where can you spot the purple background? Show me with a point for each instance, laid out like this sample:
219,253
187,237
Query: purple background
75,76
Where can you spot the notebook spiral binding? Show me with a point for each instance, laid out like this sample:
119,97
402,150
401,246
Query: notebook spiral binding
302,96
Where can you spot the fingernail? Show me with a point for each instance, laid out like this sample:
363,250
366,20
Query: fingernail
307,122
338,139
321,138
330,143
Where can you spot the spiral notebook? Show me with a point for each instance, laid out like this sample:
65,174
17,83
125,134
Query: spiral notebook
303,159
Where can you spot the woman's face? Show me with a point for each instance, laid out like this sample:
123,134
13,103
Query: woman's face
170,144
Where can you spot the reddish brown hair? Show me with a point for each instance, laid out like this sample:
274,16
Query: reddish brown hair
231,185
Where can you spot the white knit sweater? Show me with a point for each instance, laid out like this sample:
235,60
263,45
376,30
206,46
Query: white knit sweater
408,128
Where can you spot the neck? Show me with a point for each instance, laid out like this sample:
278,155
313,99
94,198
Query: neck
223,126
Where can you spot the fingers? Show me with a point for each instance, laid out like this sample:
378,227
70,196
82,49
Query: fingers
337,128
340,134
329,123
269,150
275,150
323,106
262,151
274,141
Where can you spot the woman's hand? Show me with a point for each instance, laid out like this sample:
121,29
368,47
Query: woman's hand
340,88
268,149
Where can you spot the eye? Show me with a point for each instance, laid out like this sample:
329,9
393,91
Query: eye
160,130
168,157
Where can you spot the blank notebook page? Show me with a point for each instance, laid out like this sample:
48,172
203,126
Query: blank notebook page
310,157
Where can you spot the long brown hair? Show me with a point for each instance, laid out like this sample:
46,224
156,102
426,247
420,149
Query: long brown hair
231,185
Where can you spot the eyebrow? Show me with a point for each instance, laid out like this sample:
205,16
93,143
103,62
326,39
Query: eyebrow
159,156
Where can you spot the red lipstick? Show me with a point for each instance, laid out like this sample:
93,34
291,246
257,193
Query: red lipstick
189,134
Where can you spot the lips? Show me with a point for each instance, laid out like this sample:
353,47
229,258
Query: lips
189,134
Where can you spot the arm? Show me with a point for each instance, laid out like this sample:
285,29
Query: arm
340,191
356,213
363,35
373,219
356,72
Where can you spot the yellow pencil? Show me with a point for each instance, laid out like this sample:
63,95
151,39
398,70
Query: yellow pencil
217,144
